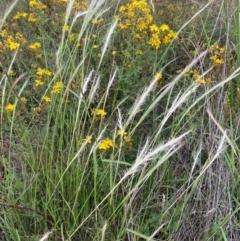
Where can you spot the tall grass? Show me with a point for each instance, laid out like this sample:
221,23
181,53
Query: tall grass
129,147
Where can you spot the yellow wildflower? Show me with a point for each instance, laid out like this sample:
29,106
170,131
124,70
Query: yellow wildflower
99,112
155,41
46,98
73,37
9,107
154,28
41,72
4,33
11,44
88,139
164,27
37,109
37,4
35,46
139,52
172,34
20,15
158,76
127,138
67,28
57,88
23,100
97,21
216,60
106,144
138,36
38,82
121,132
32,18
166,39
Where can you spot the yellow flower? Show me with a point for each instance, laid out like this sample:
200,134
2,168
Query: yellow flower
106,144
122,9
99,112
164,27
155,41
201,81
20,15
166,39
154,28
216,60
38,82
222,50
172,34
23,100
32,18
37,109
158,76
138,36
97,21
204,81
41,72
67,28
57,88
142,26
121,132
88,139
11,44
114,52
139,52
127,138
9,107
19,38
35,46
73,37
37,4
46,98
4,33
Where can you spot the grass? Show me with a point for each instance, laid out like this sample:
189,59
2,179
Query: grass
119,120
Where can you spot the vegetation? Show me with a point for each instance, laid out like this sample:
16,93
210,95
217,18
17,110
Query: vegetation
119,120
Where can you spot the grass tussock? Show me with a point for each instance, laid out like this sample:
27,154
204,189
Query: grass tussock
119,120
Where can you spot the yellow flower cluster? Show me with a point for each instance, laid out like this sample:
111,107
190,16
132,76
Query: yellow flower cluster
217,54
38,82
158,76
46,98
20,15
125,135
99,112
106,144
88,139
41,72
37,4
35,46
97,21
136,13
57,88
196,76
78,5
10,42
9,107
137,16
32,18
